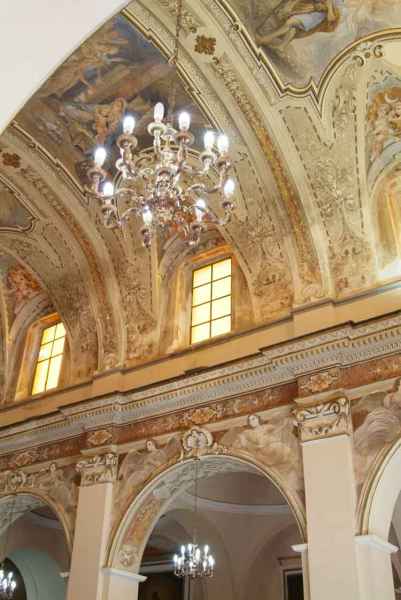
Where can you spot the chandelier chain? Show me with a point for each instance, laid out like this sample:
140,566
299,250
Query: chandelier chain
179,9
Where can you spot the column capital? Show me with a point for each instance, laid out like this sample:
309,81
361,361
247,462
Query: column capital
110,572
323,419
376,542
101,468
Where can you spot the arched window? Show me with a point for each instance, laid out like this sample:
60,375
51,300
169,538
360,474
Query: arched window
45,358
211,301
49,358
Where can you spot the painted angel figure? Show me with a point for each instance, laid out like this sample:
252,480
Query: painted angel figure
302,18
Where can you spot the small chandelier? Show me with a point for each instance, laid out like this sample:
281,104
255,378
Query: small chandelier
163,186
7,579
193,561
7,585
168,186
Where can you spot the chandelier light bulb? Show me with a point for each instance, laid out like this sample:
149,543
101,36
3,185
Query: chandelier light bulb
200,208
184,121
108,189
229,188
159,112
147,216
209,140
223,143
100,156
129,124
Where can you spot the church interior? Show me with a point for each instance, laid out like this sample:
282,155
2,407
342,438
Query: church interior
200,300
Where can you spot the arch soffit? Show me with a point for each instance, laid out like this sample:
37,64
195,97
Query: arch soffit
145,508
380,493
40,496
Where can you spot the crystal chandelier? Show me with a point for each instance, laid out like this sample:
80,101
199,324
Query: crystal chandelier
7,580
168,186
7,585
194,561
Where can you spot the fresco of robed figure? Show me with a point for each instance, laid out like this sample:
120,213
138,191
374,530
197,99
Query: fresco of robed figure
114,72
301,37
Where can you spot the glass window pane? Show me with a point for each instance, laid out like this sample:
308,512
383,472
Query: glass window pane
58,346
200,333
222,287
60,330
201,314
222,269
48,334
221,307
45,351
39,383
201,294
202,276
221,326
54,372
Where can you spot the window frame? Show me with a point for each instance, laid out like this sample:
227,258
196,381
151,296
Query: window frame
206,262
39,345
29,356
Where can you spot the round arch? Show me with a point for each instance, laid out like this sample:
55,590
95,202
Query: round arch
380,492
31,498
132,532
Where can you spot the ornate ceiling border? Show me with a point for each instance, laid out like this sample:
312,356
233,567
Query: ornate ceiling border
252,54
339,347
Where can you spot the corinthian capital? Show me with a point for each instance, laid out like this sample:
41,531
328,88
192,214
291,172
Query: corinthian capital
326,419
98,469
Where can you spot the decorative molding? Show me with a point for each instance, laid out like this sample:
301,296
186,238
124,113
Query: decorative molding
301,548
109,572
324,420
340,347
98,469
377,543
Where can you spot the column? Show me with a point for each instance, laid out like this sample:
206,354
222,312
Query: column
93,524
120,585
325,431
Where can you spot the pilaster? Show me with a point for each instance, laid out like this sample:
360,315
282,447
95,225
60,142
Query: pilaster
98,474
325,433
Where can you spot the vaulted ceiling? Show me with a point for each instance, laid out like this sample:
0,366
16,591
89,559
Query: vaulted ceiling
311,100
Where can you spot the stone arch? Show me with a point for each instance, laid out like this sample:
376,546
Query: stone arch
35,498
380,492
40,573
130,537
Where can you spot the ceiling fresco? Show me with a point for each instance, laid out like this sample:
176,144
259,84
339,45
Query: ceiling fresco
301,37
116,71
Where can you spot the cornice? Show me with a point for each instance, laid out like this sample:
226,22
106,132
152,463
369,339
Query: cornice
339,347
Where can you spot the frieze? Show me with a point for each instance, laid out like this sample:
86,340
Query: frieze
267,379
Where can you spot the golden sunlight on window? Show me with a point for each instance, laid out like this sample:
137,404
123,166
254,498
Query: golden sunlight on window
211,301
50,357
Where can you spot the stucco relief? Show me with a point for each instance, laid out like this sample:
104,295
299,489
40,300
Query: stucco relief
378,424
334,179
157,474
140,465
270,442
54,483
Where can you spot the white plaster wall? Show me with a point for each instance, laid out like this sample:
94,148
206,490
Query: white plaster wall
36,36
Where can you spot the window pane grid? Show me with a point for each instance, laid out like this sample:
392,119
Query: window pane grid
49,361
211,301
